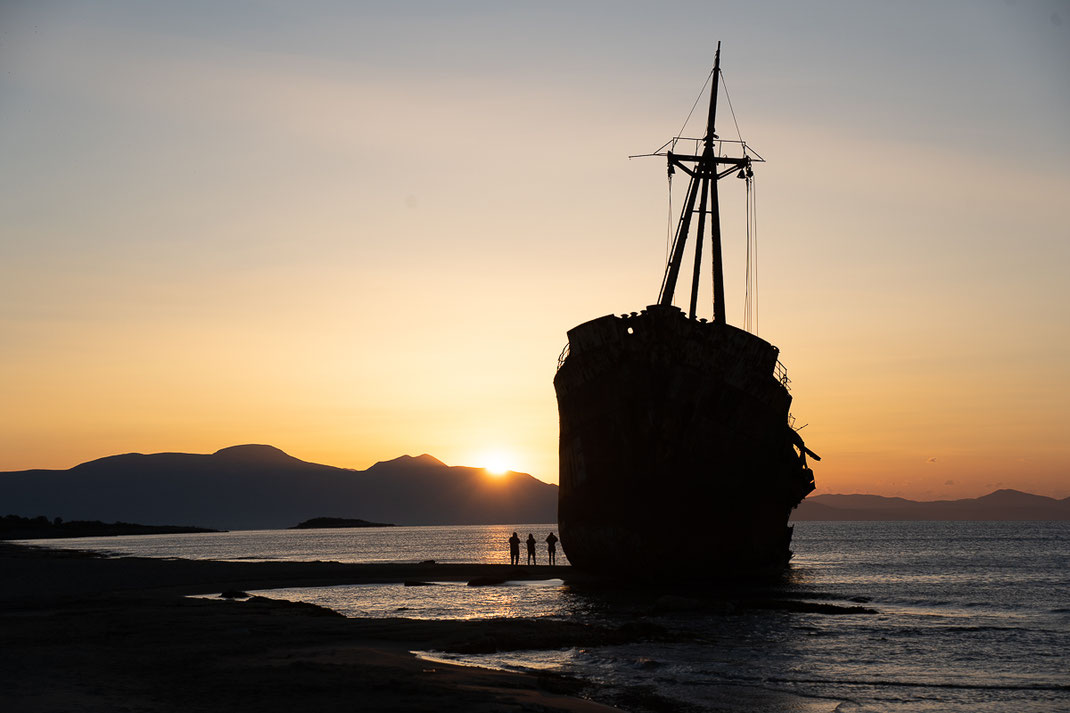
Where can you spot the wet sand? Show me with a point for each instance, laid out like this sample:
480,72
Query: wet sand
86,633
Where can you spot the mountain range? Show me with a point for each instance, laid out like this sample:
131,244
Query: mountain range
261,487
999,505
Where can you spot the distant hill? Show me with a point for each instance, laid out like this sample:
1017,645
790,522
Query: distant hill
261,487
1000,505
13,527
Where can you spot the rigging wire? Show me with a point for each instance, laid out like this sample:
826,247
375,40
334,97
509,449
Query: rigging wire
669,228
668,223
747,288
730,108
754,220
750,298
699,97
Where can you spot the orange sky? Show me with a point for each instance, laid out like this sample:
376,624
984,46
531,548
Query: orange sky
363,232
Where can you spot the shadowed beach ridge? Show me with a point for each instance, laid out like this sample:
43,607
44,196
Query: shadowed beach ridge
126,636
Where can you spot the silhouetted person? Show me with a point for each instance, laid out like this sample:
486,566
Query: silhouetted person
514,550
551,547
531,549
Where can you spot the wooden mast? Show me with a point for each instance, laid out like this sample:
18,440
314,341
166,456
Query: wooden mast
715,208
703,186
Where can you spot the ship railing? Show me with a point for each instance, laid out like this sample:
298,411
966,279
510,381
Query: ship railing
780,372
561,359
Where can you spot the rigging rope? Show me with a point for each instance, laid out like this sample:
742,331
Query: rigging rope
729,98
754,220
700,91
750,298
668,223
669,227
747,289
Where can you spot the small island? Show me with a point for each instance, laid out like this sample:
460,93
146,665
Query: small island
324,522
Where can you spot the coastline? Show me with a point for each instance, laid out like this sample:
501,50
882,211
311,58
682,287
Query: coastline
90,633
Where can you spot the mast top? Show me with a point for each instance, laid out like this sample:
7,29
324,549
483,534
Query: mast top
711,120
705,168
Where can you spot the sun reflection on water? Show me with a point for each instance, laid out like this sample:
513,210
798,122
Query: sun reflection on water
436,600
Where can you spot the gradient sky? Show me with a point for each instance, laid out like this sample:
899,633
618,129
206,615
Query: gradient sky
357,230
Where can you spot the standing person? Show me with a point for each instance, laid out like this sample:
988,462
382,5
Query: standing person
531,549
551,547
514,550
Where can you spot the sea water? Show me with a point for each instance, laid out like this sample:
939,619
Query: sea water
486,544
970,616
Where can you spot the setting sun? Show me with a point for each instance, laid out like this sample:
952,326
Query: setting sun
496,462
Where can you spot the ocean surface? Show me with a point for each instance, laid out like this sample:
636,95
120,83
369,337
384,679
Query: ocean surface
970,616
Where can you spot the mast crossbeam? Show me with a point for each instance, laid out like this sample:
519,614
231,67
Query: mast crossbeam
727,172
675,158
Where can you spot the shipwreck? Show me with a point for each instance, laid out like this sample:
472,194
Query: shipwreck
678,454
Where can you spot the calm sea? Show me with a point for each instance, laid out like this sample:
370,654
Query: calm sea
971,616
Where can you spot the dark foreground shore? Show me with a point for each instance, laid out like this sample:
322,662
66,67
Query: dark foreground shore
85,633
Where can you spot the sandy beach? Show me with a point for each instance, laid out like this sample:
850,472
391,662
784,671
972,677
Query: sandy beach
86,633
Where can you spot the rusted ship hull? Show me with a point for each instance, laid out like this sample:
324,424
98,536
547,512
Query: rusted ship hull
676,454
